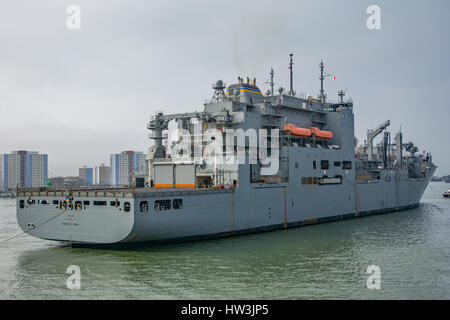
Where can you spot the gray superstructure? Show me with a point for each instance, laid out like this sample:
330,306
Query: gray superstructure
315,179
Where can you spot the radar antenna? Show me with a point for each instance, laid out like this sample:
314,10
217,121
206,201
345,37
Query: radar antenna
219,93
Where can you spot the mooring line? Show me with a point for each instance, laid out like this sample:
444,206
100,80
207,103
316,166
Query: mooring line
39,225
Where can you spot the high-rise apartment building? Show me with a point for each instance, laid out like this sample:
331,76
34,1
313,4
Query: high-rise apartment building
102,175
86,174
1,173
124,164
24,169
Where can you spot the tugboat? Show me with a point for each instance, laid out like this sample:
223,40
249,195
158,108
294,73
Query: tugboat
446,194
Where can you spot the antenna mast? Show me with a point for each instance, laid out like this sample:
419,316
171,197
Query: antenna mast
341,94
322,95
291,91
271,80
322,92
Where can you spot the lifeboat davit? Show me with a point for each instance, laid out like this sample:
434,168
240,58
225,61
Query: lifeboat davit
307,133
297,132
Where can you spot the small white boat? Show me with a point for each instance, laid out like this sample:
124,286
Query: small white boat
446,194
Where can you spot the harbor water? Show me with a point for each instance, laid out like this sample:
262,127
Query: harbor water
327,261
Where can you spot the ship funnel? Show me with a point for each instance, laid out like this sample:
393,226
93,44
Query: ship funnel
248,80
254,81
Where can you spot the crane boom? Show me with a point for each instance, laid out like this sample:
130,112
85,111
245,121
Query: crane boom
371,134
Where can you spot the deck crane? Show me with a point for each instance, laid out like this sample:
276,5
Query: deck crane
371,134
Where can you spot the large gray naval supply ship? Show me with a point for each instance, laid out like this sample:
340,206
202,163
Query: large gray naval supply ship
305,168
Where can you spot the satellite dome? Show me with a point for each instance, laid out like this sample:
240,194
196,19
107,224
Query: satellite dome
218,85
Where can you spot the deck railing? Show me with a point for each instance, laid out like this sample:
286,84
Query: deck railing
111,192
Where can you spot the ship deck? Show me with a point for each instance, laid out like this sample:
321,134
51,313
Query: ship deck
116,192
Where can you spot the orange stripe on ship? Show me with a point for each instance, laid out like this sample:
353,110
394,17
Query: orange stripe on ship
185,186
164,186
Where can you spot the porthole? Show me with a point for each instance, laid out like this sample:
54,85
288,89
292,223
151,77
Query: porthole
143,206
177,203
162,205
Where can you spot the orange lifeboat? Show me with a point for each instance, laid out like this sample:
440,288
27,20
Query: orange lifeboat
320,134
297,132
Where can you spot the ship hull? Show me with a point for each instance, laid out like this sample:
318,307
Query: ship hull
207,214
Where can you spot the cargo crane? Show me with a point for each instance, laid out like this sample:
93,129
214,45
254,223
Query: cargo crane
386,149
371,134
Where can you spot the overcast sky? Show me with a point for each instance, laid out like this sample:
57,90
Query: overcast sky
80,95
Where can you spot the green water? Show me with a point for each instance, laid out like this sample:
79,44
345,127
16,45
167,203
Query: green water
412,249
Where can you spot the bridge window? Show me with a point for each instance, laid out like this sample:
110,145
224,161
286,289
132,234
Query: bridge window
143,206
86,202
177,203
337,164
99,203
346,165
55,202
114,203
162,205
324,164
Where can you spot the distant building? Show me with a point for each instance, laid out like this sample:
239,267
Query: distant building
24,169
1,175
102,175
87,175
65,182
124,164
